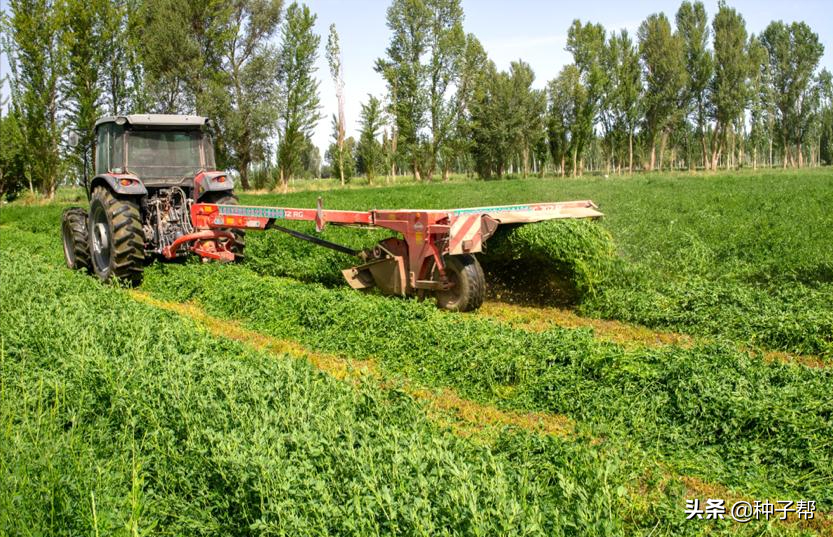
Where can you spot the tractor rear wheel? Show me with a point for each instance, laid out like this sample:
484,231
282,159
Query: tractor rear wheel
117,242
75,238
469,284
226,198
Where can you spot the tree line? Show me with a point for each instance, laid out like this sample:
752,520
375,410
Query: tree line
683,93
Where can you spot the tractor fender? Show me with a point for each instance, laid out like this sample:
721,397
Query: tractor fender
211,182
123,184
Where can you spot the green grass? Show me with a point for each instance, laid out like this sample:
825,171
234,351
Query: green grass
116,418
170,430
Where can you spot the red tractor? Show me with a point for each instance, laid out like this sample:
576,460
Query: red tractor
156,193
149,171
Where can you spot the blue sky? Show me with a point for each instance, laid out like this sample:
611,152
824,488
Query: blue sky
533,30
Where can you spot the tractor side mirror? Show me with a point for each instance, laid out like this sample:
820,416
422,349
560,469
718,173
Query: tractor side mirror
72,139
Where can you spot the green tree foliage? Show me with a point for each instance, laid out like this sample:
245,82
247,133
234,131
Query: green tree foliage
409,22
761,116
298,88
369,150
665,80
423,64
472,70
531,106
693,29
566,93
37,58
169,54
446,48
586,43
732,67
506,119
12,157
122,73
825,81
794,53
85,29
349,158
241,93
620,105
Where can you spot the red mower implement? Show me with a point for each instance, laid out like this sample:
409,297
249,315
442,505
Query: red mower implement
154,195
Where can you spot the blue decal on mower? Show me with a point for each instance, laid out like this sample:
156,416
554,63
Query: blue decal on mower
257,212
504,209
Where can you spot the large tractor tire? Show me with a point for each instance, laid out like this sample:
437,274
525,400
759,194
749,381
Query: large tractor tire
117,242
469,287
76,238
227,198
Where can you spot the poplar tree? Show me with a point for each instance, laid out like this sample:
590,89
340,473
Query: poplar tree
693,29
728,87
409,22
794,52
665,79
369,149
587,44
566,94
337,74
37,61
239,93
298,89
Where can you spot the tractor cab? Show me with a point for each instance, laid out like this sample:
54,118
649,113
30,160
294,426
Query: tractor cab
156,150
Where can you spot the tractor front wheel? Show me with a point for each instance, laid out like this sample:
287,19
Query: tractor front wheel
468,287
117,242
76,238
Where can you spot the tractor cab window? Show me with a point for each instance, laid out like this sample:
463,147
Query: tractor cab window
102,149
117,147
164,154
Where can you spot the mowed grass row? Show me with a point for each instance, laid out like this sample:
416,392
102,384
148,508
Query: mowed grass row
117,418
713,412
710,411
744,256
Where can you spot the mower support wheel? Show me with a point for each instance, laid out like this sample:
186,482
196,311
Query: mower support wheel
75,238
469,284
117,242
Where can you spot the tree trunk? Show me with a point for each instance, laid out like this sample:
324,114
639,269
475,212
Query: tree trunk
445,173
575,161
786,152
630,152
800,156
341,163
562,166
663,137
716,136
284,184
244,176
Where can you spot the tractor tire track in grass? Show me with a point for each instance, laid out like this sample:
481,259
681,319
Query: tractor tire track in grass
469,417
